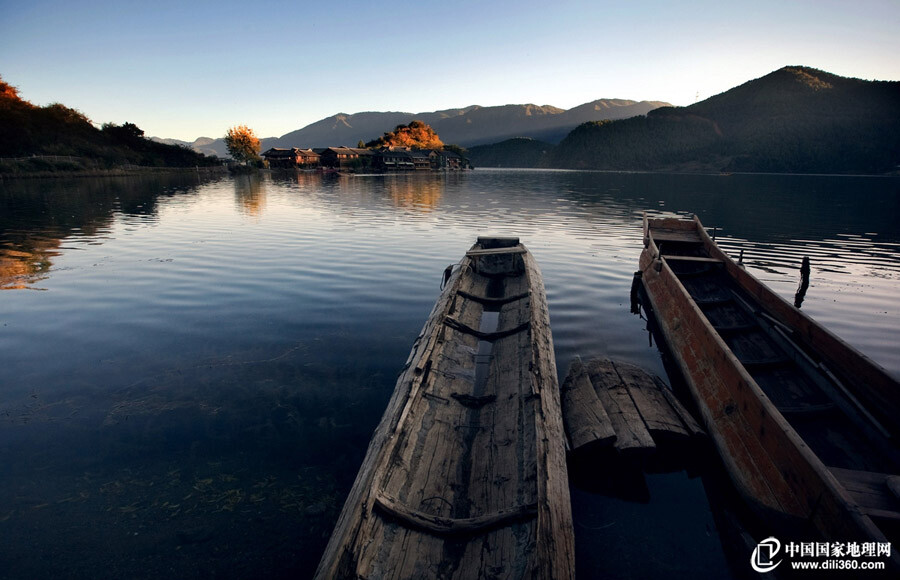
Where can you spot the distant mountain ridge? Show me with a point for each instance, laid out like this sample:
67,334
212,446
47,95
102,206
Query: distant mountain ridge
205,145
467,126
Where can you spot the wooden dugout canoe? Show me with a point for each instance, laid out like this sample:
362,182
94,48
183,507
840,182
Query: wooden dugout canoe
465,476
806,425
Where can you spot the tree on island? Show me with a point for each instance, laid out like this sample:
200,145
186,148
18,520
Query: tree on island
417,135
242,144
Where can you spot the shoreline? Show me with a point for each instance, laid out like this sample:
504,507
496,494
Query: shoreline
117,172
682,172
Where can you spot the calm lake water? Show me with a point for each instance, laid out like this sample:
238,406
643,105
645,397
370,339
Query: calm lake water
192,369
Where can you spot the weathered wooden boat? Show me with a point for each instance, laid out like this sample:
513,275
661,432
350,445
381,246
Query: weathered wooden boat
465,476
806,425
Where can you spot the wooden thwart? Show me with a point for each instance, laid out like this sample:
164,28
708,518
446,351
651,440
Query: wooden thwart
616,404
495,251
702,259
440,526
489,336
492,301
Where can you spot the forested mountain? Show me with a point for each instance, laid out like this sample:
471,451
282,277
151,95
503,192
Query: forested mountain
27,130
518,152
795,119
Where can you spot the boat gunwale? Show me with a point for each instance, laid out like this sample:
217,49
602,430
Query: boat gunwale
816,470
710,418
828,345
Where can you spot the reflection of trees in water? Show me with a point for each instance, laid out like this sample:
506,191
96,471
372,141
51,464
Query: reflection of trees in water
25,265
420,191
250,194
37,215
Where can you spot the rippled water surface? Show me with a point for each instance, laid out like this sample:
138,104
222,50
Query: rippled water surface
191,369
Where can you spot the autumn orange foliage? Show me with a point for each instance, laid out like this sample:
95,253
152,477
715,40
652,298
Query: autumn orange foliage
242,143
416,135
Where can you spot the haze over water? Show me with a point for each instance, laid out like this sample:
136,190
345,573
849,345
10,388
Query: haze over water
191,370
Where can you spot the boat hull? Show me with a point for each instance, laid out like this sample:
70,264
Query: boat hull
465,475
768,461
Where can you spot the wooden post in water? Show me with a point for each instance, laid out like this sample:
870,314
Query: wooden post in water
804,283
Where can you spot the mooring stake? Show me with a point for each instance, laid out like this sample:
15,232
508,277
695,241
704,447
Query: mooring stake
804,283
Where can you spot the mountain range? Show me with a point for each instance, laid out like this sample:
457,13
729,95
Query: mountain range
794,120
467,126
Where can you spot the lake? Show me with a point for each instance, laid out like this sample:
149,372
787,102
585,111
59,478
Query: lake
192,368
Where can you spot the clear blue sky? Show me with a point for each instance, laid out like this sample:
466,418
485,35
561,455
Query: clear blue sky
185,69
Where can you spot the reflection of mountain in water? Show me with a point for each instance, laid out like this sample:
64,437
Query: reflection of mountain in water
34,221
755,207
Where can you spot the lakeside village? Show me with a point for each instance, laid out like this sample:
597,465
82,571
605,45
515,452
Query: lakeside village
354,159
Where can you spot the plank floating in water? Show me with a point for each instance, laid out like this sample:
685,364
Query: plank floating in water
607,403
632,435
586,421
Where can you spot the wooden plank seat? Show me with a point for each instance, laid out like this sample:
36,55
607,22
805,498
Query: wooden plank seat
877,494
699,259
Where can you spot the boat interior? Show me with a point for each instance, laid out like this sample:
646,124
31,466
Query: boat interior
472,426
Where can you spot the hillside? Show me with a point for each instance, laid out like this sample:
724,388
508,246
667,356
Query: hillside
416,135
795,119
466,126
56,130
517,152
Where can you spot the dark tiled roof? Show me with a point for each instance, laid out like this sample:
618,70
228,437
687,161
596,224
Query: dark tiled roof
394,154
275,152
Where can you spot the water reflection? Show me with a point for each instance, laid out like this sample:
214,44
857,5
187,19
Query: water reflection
250,193
415,194
210,382
41,219
24,264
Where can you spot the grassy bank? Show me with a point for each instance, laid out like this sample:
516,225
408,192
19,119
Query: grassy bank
69,166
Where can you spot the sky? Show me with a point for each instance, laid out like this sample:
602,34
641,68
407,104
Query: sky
185,69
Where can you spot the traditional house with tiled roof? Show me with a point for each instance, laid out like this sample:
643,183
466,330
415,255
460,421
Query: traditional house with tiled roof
346,157
291,158
393,158
445,159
